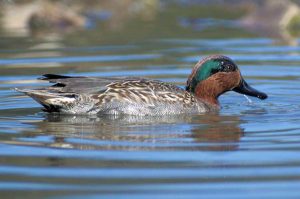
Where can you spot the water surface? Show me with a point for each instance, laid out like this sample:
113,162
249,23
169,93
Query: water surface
250,149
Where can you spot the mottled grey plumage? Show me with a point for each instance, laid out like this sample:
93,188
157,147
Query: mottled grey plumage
114,95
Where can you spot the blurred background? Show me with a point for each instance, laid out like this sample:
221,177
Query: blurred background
112,21
49,28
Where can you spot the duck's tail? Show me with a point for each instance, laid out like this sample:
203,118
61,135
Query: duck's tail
52,102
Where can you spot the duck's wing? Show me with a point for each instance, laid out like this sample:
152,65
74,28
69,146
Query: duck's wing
66,89
112,92
81,84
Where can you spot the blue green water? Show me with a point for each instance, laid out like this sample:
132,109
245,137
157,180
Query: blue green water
250,149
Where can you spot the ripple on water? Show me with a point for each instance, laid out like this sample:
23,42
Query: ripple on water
248,149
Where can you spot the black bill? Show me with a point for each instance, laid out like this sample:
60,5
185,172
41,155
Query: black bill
244,88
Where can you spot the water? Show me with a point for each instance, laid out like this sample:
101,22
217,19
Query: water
250,149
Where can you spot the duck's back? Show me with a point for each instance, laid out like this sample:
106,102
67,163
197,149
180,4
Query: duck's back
117,95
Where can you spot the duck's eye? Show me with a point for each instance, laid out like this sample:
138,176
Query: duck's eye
227,67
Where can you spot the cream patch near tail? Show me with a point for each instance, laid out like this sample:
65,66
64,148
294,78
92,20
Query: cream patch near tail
52,102
60,101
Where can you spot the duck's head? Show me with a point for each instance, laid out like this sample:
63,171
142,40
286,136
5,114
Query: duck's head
215,75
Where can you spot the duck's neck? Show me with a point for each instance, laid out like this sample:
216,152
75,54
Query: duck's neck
208,92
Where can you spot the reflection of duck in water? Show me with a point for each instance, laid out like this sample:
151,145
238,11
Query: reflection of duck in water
210,78
204,132
220,133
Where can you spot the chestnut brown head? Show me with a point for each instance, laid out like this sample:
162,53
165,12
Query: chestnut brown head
215,75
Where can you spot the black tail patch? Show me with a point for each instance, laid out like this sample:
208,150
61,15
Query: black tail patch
54,76
51,108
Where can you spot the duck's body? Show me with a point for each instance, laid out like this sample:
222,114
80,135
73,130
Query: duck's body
119,95
140,96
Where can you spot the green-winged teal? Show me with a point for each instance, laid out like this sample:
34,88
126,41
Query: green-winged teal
210,78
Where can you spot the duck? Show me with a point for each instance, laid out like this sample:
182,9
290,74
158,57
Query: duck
210,78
